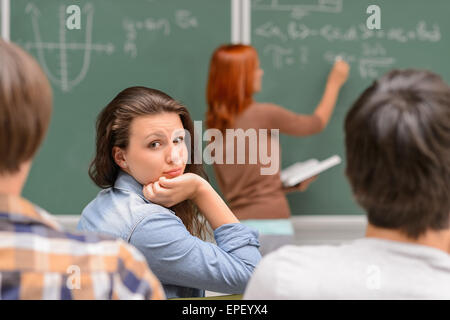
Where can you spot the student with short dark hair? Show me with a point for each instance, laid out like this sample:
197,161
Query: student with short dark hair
38,259
398,164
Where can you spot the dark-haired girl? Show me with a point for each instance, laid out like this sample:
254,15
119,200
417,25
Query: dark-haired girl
157,200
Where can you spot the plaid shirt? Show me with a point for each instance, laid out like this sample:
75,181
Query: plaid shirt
39,260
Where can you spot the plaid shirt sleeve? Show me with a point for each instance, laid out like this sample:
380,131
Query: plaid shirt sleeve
40,260
133,277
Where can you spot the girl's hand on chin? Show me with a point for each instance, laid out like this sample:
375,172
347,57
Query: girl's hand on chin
169,192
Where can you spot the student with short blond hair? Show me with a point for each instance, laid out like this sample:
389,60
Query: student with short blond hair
397,137
38,259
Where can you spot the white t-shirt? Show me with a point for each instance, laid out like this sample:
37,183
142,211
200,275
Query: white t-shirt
368,268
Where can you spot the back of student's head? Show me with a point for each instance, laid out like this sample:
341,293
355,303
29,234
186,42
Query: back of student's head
397,137
25,107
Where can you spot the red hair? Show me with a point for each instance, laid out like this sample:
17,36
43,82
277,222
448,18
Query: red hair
230,84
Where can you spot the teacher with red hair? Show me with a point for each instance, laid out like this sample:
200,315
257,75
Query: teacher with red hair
259,200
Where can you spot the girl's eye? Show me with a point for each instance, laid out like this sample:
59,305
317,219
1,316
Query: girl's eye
179,139
154,144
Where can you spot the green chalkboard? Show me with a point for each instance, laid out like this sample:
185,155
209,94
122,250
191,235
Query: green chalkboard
167,45
297,42
159,44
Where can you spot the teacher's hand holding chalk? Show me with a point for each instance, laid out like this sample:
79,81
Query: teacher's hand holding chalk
339,73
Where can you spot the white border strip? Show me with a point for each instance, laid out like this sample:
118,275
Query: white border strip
325,229
246,21
5,20
235,22
309,230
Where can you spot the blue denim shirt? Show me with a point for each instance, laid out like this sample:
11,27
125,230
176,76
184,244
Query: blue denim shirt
185,265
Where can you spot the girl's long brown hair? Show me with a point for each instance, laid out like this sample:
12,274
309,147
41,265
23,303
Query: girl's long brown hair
113,129
230,84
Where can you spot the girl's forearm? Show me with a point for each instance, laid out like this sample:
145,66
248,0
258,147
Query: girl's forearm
213,207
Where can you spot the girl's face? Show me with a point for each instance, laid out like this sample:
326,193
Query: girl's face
257,82
156,148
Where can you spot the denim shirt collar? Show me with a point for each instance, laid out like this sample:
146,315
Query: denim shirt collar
126,182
